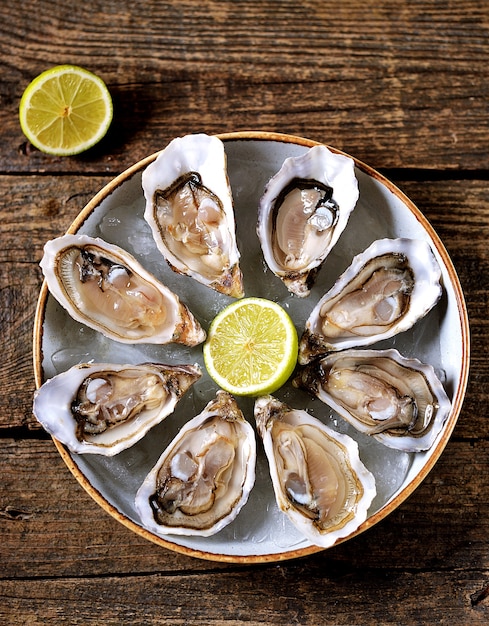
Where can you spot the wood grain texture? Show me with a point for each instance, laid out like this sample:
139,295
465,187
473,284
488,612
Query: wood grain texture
55,532
397,87
59,549
58,511
403,86
293,595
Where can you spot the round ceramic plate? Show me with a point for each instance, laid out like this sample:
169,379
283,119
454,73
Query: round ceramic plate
260,532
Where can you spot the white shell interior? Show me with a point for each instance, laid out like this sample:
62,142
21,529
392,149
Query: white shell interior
205,155
239,486
296,418
260,528
426,290
318,164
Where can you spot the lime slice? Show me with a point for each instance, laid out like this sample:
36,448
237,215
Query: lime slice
65,110
251,347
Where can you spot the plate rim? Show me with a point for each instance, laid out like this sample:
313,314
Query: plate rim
390,506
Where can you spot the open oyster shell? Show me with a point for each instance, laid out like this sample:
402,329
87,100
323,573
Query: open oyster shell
302,213
318,478
189,207
204,477
102,408
385,291
107,289
399,401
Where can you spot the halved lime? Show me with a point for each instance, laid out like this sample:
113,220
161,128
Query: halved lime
251,347
65,110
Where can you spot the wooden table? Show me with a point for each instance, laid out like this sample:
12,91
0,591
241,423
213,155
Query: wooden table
403,86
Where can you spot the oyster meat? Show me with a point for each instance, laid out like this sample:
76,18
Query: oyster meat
102,408
204,477
385,291
318,478
106,288
302,213
399,401
189,207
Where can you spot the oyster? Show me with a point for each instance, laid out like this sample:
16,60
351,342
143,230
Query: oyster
104,287
189,207
101,408
204,477
302,213
385,291
318,478
399,401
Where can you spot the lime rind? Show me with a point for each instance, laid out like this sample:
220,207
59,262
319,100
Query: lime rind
277,371
38,121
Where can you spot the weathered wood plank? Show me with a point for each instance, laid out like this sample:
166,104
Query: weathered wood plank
396,88
32,211
271,595
36,208
397,84
41,504
51,527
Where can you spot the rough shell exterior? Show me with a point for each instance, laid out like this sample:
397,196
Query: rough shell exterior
189,207
423,293
329,169
204,477
318,478
399,401
123,300
53,404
